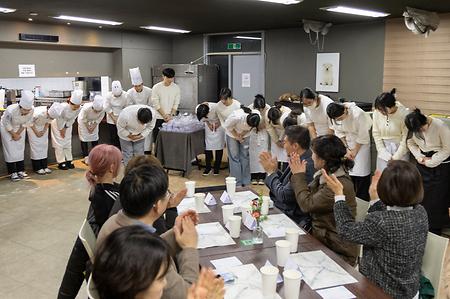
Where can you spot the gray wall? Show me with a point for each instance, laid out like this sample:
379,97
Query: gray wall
187,48
291,60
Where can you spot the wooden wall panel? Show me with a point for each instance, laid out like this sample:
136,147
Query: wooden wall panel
418,67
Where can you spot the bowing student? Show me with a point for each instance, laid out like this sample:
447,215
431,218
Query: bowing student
429,142
38,136
274,123
259,141
214,136
315,106
389,130
16,118
61,130
91,115
115,102
135,123
238,127
351,124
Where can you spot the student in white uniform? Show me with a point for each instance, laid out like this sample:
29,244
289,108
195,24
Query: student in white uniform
165,98
134,124
115,102
214,136
315,107
226,105
259,141
429,142
38,136
90,117
389,130
274,123
15,119
238,126
351,124
140,95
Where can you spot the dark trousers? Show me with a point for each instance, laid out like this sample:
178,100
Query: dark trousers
158,126
15,166
85,147
209,158
39,164
258,176
362,184
113,136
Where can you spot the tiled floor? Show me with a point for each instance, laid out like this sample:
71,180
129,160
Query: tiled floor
39,221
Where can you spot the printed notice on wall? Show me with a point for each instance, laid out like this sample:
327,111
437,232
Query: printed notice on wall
27,70
245,80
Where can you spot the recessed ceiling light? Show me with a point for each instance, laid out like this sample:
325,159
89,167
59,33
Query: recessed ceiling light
30,19
356,11
100,27
68,23
165,29
285,2
248,37
88,20
33,14
7,10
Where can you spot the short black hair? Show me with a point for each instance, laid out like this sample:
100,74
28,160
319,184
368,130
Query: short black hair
225,93
291,119
308,93
415,120
259,102
202,111
141,188
385,100
168,72
274,115
335,110
144,115
299,135
128,262
332,150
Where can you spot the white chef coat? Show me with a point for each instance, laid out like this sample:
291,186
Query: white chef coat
65,120
140,98
12,119
355,128
166,98
276,133
39,145
318,116
214,139
237,121
259,142
128,122
115,105
88,116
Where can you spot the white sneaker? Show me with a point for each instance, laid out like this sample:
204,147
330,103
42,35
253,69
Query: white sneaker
23,175
86,160
41,172
15,177
48,170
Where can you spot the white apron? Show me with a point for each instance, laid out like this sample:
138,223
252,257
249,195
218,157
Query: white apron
259,142
362,159
14,151
279,152
84,134
57,140
391,147
38,145
148,142
214,140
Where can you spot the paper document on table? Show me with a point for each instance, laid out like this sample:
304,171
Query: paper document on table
247,283
212,234
320,271
224,264
336,292
243,197
275,226
188,203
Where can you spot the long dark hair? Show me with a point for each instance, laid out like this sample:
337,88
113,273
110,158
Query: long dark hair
253,119
385,100
335,110
414,121
128,262
202,111
274,114
332,150
291,119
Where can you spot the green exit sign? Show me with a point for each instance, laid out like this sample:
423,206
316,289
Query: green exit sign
234,46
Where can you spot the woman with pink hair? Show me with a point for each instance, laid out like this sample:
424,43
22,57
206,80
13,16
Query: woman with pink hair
104,164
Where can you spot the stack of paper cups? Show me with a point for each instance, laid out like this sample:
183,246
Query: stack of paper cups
292,237
235,226
227,211
265,205
199,201
292,279
283,251
231,186
269,281
190,186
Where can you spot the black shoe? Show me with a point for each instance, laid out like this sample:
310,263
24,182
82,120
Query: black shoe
216,172
206,172
62,166
70,165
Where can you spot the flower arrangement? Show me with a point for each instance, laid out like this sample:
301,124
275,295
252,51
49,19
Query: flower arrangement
256,209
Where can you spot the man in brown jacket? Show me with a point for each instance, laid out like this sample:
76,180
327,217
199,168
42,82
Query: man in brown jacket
144,198
318,200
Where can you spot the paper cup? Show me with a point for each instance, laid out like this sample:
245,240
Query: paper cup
269,281
246,210
283,251
292,237
190,186
227,211
265,205
199,201
235,226
230,179
292,279
231,188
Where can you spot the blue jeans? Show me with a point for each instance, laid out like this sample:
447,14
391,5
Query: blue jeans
131,149
239,160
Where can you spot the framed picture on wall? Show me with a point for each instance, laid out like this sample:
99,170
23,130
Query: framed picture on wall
327,72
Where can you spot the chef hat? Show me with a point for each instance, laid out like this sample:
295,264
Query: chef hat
27,100
116,88
98,103
77,97
55,110
136,78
